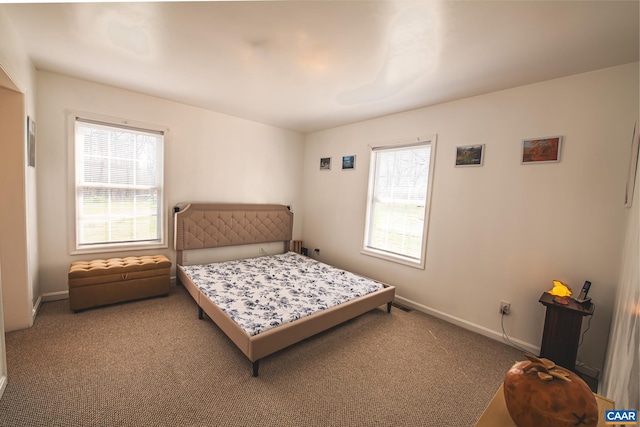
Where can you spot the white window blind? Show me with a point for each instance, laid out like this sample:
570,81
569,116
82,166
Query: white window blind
118,183
397,202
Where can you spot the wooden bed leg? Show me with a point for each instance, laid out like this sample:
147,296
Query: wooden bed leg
389,307
256,365
200,313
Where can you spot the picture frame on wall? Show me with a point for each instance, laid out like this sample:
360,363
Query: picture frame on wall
348,162
470,155
31,142
325,163
633,166
541,150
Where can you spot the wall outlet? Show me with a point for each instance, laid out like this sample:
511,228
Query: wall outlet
505,307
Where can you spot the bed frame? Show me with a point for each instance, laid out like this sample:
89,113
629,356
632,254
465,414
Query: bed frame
199,226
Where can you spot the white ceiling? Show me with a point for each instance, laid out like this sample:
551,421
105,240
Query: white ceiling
312,65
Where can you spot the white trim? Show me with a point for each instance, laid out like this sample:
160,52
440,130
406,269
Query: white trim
3,347
398,259
431,141
36,307
122,247
496,335
72,115
54,296
60,295
3,384
18,85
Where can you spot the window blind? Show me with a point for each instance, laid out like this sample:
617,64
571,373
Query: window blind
397,202
118,183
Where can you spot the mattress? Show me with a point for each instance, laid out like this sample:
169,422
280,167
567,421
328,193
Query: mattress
263,293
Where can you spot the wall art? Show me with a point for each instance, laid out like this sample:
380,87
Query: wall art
348,162
325,163
470,155
541,150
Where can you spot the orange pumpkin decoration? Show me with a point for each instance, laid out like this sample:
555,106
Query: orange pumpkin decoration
539,393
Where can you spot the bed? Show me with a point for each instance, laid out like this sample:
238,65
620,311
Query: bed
229,291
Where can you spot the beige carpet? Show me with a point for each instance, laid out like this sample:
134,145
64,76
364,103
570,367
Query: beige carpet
153,363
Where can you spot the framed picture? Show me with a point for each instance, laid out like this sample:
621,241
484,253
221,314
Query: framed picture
31,142
541,150
325,163
348,162
633,166
470,155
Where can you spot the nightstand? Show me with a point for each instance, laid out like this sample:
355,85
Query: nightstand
562,325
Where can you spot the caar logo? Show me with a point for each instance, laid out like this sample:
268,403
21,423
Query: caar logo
621,416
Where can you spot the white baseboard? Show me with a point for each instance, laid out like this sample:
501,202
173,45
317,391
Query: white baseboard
54,296
496,335
3,384
35,309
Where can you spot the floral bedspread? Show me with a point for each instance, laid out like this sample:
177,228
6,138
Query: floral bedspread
262,293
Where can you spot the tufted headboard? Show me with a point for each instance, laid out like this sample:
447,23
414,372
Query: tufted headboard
212,225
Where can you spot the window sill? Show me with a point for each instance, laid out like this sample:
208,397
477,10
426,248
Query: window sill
98,249
419,264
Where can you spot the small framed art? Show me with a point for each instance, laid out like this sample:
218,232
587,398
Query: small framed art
31,142
470,155
325,163
633,166
348,162
541,150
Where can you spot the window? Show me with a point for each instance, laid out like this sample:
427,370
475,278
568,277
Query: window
118,186
398,200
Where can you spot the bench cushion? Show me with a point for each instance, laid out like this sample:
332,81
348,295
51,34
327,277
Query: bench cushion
84,273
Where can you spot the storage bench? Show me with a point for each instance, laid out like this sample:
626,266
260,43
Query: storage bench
101,282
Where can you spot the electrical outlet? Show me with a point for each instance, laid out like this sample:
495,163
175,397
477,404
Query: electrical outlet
505,307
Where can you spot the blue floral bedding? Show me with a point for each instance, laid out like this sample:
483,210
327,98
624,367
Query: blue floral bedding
262,293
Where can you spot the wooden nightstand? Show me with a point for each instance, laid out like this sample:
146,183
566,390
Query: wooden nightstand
562,325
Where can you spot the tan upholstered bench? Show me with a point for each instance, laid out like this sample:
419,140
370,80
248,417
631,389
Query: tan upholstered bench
102,282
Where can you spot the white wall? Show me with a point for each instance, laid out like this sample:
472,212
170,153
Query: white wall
209,157
502,231
18,229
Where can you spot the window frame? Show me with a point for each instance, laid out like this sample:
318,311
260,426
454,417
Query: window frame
74,246
387,255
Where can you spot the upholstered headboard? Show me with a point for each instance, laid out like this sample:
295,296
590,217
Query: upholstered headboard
212,225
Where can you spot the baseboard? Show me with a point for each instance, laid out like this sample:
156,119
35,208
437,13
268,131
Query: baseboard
3,384
496,335
54,296
35,309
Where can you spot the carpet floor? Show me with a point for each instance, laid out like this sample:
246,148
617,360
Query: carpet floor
153,363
